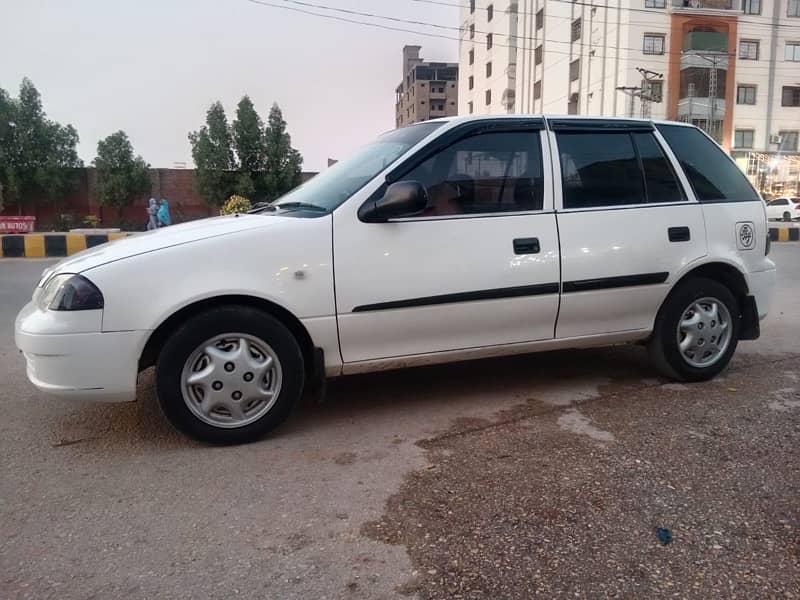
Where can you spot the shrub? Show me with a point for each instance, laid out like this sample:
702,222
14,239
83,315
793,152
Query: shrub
235,204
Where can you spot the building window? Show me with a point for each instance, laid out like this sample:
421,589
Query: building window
488,97
471,56
537,90
572,105
540,19
743,138
576,30
537,55
793,10
655,3
471,6
748,50
653,43
489,12
469,107
470,82
488,69
746,94
489,41
788,140
575,70
751,7
472,31
790,96
792,51
655,90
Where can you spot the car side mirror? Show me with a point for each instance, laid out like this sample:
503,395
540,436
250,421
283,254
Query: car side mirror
401,199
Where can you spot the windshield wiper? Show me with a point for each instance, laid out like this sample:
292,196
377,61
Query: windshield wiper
261,207
304,205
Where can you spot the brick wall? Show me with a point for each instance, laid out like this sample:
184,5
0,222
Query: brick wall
176,185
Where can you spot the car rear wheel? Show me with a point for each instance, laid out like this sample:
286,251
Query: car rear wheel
696,331
229,375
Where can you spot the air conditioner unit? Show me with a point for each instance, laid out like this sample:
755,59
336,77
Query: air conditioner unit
775,139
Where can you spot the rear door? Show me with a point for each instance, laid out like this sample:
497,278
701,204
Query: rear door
626,226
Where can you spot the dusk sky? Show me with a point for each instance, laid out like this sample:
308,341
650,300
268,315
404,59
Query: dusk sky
153,68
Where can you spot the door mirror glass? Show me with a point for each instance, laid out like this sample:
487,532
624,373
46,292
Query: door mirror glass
401,199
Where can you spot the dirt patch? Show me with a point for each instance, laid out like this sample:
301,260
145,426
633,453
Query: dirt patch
520,507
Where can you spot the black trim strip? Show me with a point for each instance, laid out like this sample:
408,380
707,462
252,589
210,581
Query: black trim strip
509,292
610,125
604,283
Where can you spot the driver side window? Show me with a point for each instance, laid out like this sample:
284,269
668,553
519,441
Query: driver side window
487,173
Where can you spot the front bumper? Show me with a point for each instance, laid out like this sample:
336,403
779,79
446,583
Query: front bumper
85,366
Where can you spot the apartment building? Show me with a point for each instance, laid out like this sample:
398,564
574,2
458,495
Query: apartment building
428,89
731,67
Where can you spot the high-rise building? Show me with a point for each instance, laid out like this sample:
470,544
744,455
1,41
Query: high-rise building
428,89
731,67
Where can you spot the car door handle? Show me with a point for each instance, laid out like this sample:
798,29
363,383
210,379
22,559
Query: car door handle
679,234
526,246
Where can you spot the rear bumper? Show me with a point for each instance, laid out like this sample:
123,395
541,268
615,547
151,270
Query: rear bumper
84,366
762,288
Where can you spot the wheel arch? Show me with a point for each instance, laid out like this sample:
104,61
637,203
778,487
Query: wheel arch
160,334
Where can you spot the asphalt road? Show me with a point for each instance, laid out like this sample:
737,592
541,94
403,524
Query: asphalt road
375,493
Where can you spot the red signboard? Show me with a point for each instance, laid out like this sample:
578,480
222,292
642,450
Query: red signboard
17,224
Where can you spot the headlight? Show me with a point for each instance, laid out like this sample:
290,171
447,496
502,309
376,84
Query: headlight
70,292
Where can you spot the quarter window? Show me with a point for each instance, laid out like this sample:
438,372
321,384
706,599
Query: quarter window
488,173
714,177
614,168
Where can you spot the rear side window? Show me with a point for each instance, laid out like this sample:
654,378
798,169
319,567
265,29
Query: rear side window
713,176
614,168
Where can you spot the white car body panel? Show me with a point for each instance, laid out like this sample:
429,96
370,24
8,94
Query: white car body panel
288,261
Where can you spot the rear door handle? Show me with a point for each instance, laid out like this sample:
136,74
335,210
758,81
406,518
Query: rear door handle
679,234
526,246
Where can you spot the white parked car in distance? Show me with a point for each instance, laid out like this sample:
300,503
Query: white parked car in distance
784,209
446,240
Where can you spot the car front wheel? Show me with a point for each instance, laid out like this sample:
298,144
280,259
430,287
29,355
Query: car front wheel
696,331
229,375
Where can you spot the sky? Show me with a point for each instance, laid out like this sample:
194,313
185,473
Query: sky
152,68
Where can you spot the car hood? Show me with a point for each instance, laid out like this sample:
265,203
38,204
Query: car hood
175,235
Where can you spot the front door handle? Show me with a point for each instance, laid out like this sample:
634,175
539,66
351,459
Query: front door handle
679,234
526,246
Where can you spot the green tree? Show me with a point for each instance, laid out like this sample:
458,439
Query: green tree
38,157
283,163
121,177
248,138
212,151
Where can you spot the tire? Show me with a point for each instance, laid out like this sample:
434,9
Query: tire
230,347
787,216
663,346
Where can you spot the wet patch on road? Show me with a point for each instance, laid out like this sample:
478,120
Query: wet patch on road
523,506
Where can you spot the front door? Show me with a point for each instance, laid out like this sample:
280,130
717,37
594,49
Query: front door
479,267
627,227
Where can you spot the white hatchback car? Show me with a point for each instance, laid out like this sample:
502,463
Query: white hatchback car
785,209
446,240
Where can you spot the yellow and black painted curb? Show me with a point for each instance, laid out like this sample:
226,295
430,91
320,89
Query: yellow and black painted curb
784,234
41,245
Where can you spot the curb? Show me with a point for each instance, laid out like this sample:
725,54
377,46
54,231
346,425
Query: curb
43,245
784,234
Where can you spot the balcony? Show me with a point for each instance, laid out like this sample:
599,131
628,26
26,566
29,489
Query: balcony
709,7
705,41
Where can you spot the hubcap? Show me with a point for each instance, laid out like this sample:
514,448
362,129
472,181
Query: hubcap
231,380
704,332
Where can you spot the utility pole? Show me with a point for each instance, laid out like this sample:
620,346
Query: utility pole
648,77
632,93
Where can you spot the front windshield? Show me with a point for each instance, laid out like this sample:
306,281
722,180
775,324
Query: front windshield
335,185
